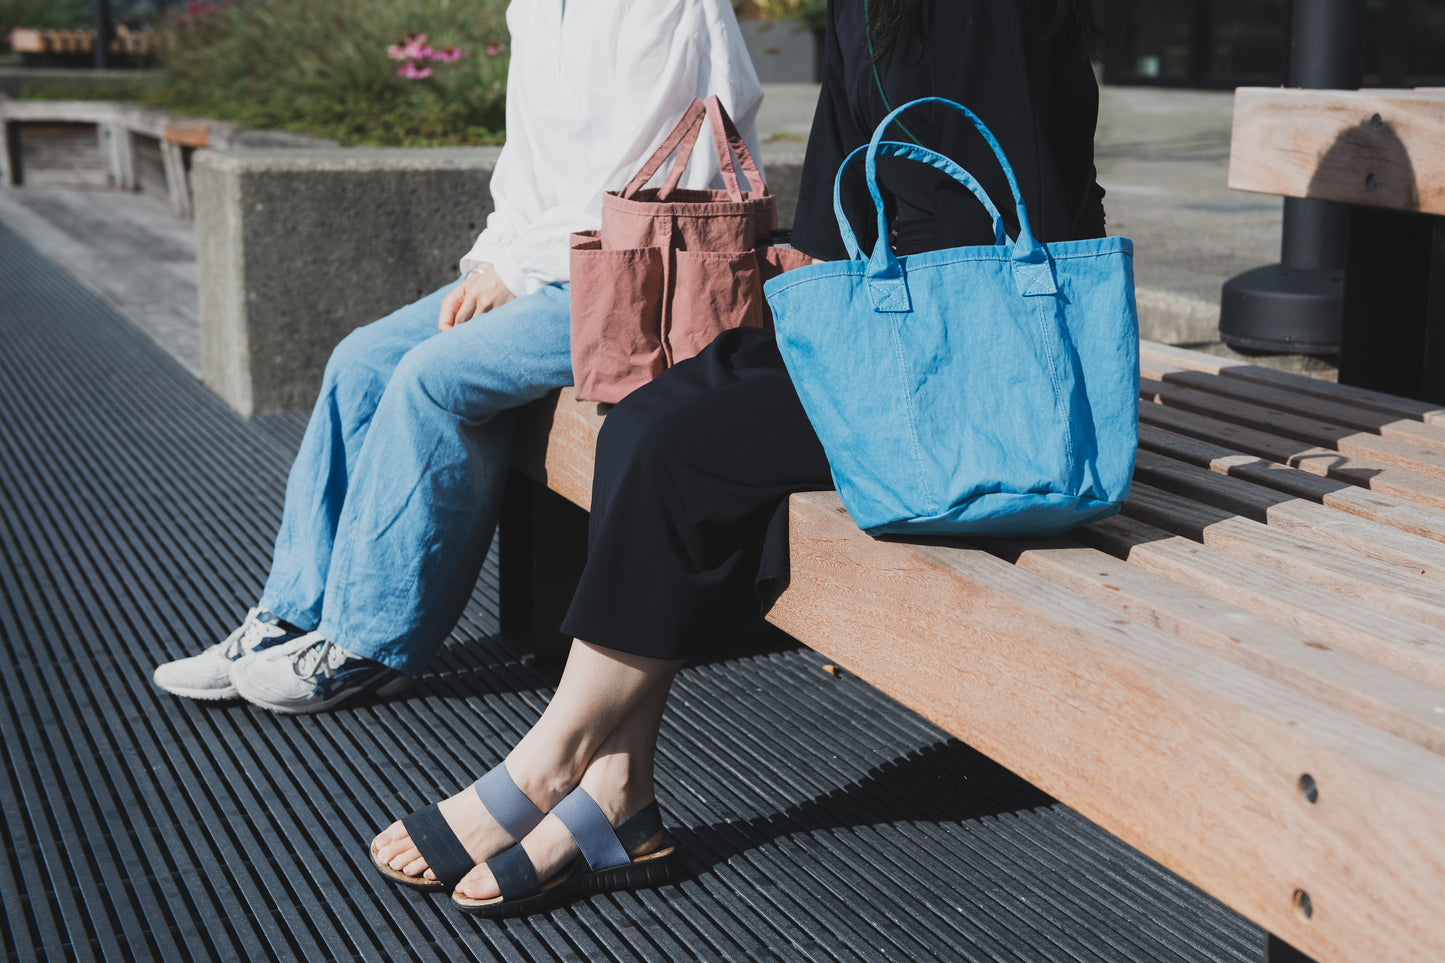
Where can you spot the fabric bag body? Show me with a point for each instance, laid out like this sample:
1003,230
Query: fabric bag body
670,268
975,390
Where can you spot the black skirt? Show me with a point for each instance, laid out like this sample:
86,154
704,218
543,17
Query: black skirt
689,538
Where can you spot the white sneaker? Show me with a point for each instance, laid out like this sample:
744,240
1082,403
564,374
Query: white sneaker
208,675
310,673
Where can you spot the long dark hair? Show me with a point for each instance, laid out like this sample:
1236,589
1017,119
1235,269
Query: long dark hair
897,25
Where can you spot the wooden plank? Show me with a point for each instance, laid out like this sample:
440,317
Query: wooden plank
25,40
1310,406
1325,462
1354,147
1397,703
556,439
1312,387
1321,432
1205,759
1341,496
1367,630
1343,572
1336,530
188,132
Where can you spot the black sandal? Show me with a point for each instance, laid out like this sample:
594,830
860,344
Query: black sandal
603,867
445,855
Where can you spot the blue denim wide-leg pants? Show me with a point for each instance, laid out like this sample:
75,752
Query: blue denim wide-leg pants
395,492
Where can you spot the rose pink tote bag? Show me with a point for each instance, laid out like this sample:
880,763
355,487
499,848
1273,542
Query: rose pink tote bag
672,268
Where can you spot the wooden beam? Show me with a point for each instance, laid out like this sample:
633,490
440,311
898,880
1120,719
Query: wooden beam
1252,790
1372,148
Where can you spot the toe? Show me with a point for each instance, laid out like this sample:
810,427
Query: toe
479,884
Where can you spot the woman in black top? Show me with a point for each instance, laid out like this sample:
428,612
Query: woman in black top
688,536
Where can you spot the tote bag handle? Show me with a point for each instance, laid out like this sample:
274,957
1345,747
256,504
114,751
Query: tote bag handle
733,157
887,285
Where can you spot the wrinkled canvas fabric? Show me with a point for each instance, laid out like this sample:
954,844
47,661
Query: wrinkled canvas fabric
671,269
974,390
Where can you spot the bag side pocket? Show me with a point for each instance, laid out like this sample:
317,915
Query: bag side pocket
713,291
616,318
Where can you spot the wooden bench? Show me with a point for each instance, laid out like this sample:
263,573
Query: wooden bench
1242,675
79,43
1382,152
119,126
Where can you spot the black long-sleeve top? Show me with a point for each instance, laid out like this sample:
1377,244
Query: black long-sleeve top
1027,77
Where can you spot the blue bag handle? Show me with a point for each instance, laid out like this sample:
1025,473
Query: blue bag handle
1032,272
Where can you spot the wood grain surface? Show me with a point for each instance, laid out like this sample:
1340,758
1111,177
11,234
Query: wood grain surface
1374,148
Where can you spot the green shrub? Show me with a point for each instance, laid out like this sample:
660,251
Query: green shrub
321,67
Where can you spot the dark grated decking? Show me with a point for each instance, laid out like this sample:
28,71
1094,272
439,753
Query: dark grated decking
821,821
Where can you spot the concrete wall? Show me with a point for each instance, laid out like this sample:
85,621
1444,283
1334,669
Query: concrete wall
295,248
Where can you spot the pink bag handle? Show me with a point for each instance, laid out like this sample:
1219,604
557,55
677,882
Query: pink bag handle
733,157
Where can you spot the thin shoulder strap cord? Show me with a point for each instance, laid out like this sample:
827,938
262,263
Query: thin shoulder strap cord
878,79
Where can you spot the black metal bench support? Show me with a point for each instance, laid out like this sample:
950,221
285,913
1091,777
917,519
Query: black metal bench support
543,540
1394,312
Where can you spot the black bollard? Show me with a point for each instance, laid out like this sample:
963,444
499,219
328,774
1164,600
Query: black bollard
1296,306
103,33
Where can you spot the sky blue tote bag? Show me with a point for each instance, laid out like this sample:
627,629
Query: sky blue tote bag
973,390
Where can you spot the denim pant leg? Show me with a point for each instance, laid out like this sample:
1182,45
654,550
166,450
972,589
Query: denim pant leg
356,375
426,489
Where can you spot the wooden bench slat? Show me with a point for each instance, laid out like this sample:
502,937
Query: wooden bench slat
1203,756
1324,462
1316,523
1401,704
1315,144
1339,438
1294,403
1341,496
1350,575
1312,387
1367,630
551,439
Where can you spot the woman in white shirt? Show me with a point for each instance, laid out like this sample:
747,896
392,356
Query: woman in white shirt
394,494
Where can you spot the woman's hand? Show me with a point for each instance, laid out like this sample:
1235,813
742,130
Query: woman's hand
477,293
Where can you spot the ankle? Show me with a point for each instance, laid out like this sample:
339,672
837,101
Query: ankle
619,784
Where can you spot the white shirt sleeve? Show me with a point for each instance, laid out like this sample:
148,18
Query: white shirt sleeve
555,167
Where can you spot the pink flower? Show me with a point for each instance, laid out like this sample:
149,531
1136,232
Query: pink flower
412,47
413,71
447,54
496,48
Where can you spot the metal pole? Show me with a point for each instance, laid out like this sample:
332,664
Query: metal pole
103,33
1296,305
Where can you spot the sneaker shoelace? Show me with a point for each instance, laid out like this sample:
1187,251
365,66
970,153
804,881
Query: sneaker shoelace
249,635
322,657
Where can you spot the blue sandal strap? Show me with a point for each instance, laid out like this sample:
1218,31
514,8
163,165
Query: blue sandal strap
508,805
589,827
512,869
433,838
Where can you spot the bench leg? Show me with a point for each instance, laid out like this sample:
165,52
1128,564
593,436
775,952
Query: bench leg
1277,950
177,185
14,169
118,148
1394,311
543,542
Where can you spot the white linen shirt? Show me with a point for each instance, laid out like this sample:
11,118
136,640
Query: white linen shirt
592,89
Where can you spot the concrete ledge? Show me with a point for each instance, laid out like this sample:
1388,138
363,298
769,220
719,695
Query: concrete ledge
296,247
